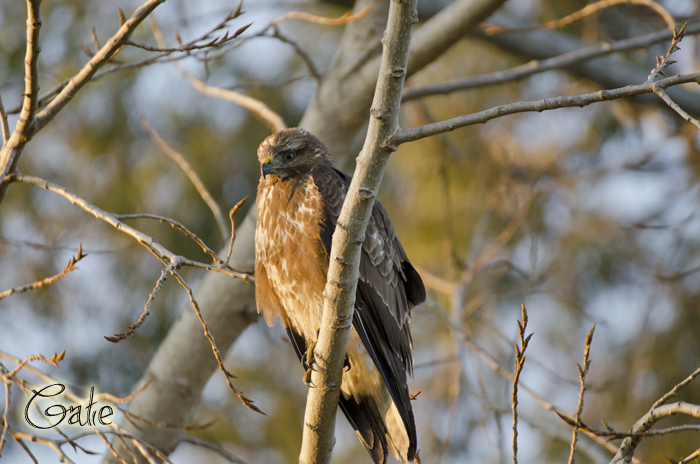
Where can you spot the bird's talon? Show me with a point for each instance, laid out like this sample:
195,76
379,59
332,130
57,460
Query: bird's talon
307,378
309,357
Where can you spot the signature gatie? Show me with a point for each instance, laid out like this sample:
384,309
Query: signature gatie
56,413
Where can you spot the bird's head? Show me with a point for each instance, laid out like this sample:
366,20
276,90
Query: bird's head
290,153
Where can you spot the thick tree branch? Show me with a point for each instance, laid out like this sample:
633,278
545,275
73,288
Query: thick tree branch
343,272
416,133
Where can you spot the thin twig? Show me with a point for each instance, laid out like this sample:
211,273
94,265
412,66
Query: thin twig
539,66
5,421
674,106
163,56
611,434
53,360
346,18
671,393
49,280
693,456
582,371
665,61
276,33
175,225
233,229
583,13
62,456
162,253
217,354
116,338
428,130
258,108
191,174
4,124
519,364
31,78
111,48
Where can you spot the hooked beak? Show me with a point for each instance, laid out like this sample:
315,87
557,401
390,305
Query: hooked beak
266,167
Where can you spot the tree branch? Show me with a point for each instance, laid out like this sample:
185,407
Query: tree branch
4,125
192,175
629,444
162,253
539,66
608,72
102,56
49,280
13,146
343,272
29,124
417,133
349,84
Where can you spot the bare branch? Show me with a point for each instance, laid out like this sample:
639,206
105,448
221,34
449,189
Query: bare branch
191,174
304,16
146,308
175,225
105,54
31,79
300,51
587,11
664,61
416,133
49,280
339,293
671,393
538,66
629,444
582,371
150,243
5,420
519,364
207,333
260,110
675,107
233,229
220,450
4,124
14,144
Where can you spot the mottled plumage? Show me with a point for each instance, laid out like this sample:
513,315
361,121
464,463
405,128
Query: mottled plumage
300,195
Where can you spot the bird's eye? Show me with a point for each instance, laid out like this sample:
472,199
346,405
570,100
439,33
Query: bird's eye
288,155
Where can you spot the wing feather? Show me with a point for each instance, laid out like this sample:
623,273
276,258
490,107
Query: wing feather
388,289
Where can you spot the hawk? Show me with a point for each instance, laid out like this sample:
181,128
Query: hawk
299,198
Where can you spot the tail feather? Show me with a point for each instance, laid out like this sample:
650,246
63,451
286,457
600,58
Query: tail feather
368,425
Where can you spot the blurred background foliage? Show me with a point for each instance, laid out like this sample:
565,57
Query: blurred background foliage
603,202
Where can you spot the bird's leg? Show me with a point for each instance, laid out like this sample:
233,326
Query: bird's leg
308,360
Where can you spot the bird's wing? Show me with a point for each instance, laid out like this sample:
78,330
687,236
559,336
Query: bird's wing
388,289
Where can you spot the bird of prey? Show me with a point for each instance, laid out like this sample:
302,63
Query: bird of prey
300,195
